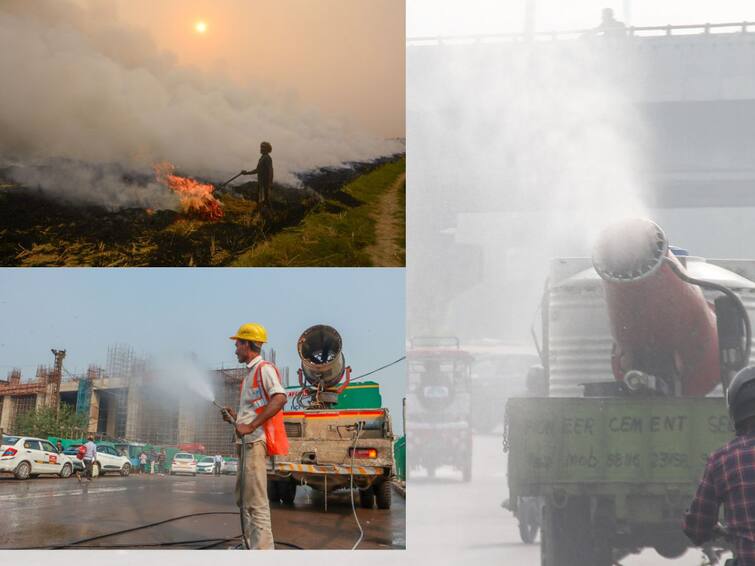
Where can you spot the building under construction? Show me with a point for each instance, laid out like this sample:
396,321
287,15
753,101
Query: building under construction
129,400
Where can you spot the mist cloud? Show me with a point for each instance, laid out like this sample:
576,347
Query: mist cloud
82,88
526,152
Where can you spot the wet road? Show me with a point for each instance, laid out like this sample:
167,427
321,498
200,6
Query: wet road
51,511
454,523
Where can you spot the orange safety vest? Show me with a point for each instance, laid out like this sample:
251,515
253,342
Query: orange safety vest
275,432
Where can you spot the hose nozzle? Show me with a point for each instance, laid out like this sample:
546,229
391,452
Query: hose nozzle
223,410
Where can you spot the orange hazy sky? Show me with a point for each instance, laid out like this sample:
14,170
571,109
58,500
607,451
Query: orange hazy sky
345,57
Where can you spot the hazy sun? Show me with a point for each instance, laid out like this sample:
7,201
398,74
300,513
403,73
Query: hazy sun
200,27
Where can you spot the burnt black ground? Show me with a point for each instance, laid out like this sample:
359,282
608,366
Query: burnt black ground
38,230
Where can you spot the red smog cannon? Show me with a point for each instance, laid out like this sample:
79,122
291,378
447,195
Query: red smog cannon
668,337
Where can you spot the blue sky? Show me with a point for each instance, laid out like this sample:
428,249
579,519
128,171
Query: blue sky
174,311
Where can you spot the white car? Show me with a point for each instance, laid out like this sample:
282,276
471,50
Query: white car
27,457
110,460
206,465
183,463
107,460
231,467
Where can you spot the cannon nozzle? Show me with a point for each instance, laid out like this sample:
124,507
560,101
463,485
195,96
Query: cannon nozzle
322,360
629,250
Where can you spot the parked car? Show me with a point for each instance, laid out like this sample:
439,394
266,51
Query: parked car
231,467
71,451
183,463
206,465
108,460
27,457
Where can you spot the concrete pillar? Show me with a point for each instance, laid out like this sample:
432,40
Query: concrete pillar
6,417
134,410
112,413
186,422
94,411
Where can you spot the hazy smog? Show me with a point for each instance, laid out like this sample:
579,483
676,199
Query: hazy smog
546,152
93,100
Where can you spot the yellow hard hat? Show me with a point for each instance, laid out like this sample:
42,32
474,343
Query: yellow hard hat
252,331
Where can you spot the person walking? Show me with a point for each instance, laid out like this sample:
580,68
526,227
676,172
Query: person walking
143,462
218,464
90,457
260,430
161,462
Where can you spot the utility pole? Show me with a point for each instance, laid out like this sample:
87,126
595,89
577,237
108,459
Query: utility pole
53,392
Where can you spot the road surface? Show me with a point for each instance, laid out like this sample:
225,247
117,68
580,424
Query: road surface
50,511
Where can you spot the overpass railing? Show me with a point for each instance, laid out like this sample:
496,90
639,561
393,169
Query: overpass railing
629,32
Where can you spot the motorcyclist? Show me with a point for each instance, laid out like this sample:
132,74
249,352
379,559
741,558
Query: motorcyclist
729,478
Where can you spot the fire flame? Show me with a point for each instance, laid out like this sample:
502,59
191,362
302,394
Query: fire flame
196,198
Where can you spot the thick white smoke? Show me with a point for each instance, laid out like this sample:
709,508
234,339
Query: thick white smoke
522,152
85,89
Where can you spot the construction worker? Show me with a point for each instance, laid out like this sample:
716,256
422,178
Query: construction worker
259,427
264,172
729,478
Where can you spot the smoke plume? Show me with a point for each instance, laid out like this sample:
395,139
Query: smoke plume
85,97
526,152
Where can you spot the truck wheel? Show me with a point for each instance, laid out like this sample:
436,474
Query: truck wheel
527,532
23,471
366,498
272,491
567,538
466,472
528,515
383,493
287,491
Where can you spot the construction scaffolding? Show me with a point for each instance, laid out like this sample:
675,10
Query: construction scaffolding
131,400
201,422
24,404
158,421
120,361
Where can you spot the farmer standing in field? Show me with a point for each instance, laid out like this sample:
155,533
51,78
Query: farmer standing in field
264,172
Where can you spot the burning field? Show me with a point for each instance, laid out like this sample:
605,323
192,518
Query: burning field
209,226
196,199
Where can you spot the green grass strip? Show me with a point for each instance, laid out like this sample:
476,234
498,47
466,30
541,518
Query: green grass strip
333,234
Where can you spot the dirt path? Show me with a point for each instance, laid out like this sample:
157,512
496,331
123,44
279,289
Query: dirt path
387,251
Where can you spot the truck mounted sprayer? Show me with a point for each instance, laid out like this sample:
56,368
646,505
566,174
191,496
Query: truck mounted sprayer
332,448
637,346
